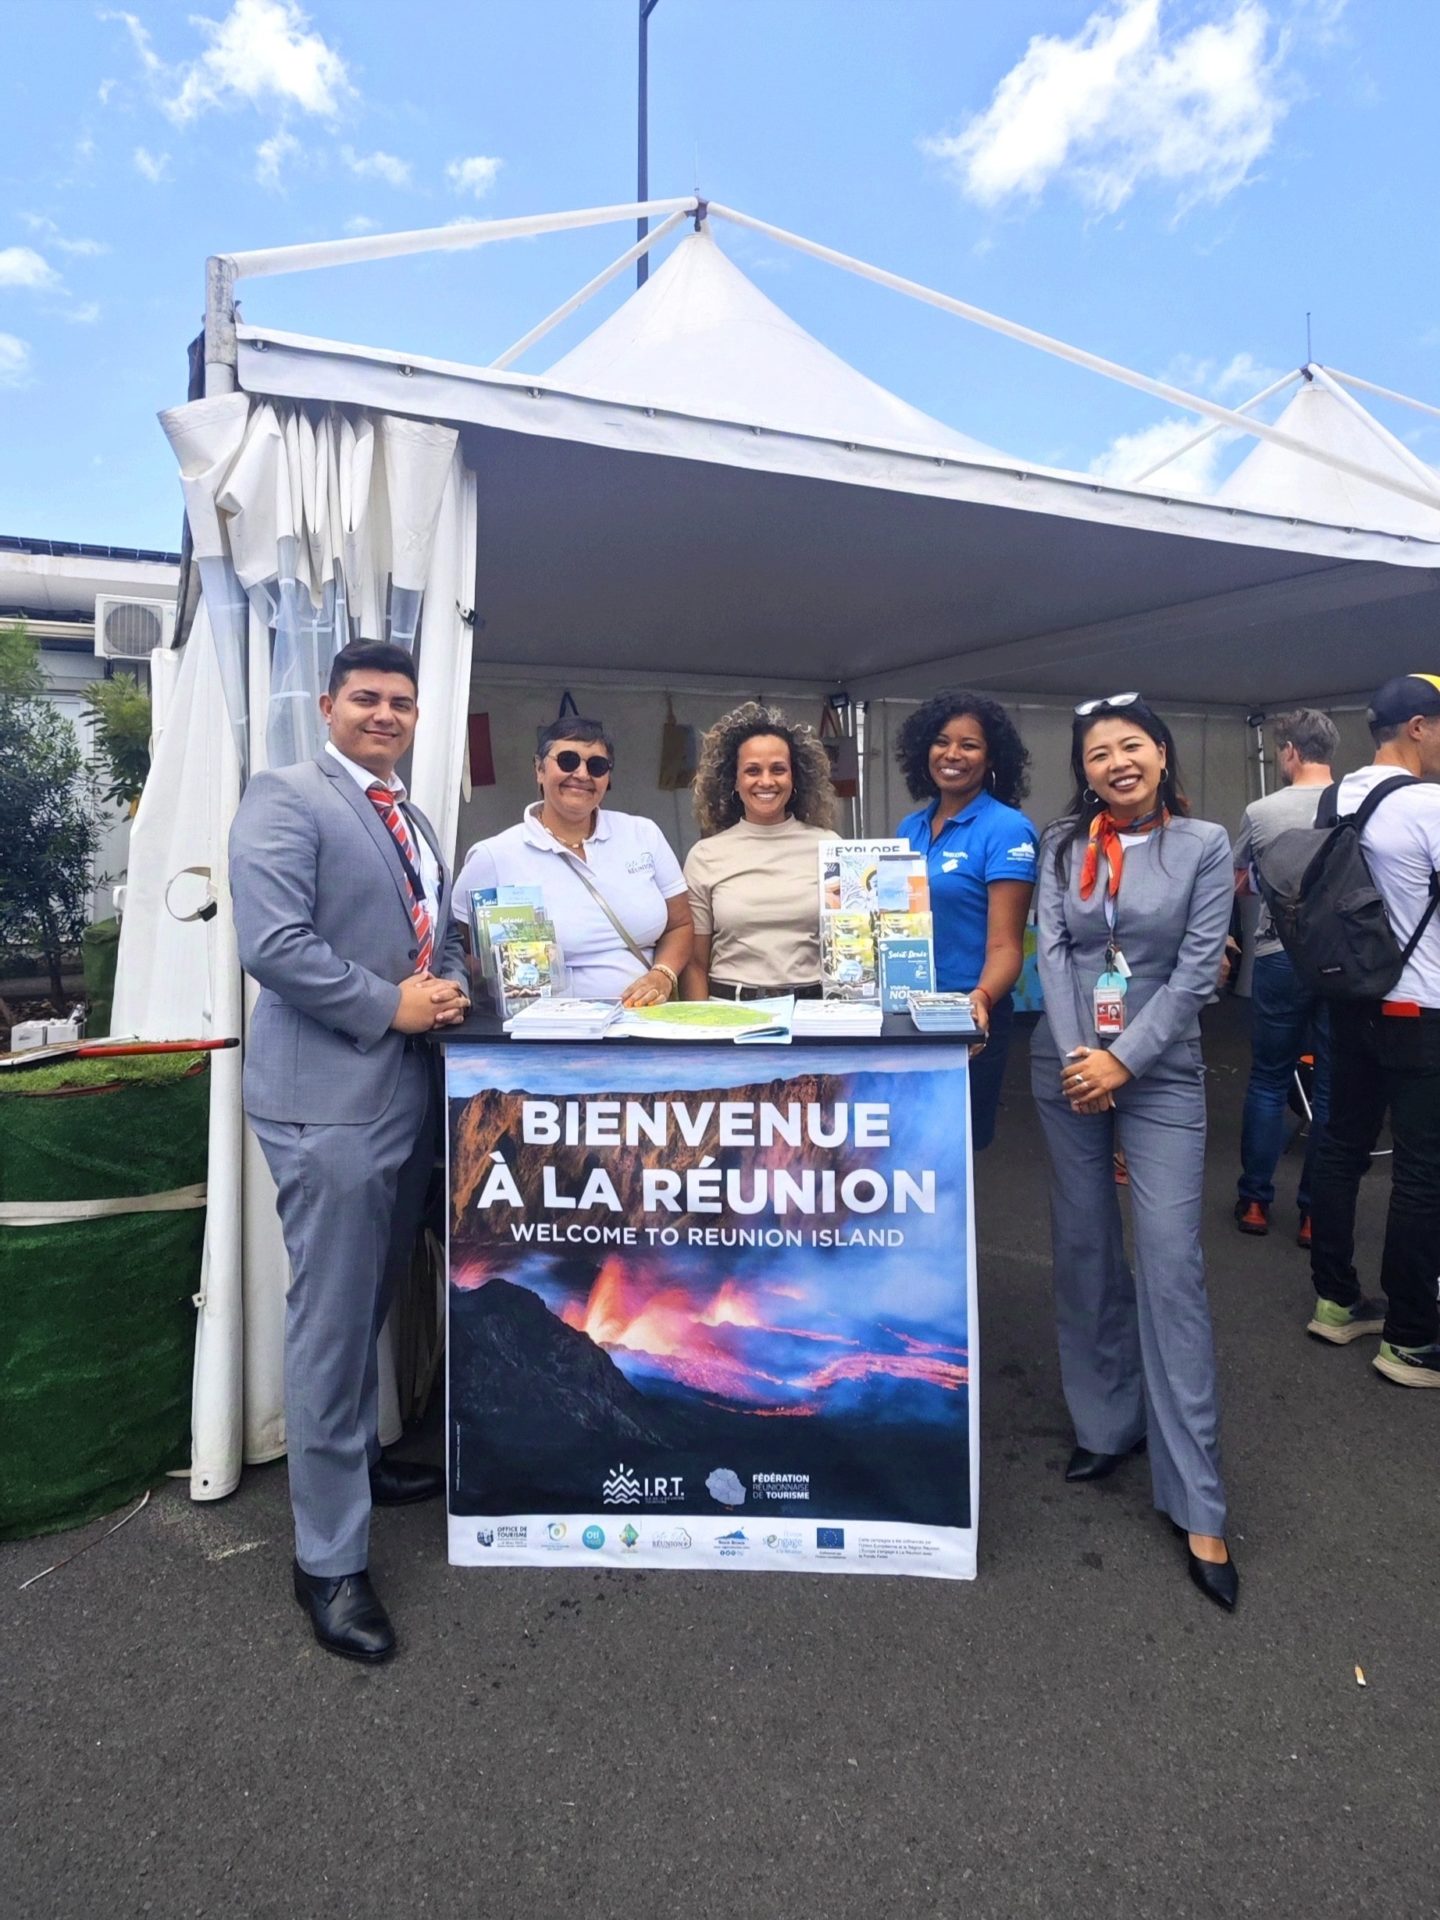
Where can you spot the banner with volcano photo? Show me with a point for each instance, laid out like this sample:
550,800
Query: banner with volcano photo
711,1307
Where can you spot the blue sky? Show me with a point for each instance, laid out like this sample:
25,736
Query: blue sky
1170,184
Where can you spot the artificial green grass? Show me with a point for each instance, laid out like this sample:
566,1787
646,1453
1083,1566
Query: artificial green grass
98,1315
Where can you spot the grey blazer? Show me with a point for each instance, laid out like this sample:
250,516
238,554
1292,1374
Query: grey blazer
1172,914
322,911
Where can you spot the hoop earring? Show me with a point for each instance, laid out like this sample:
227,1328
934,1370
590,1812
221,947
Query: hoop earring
1089,795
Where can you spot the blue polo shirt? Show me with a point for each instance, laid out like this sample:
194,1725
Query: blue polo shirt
988,841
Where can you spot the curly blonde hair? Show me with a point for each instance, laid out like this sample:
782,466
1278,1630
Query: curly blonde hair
717,805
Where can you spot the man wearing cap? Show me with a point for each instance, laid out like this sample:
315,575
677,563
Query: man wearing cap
1385,1058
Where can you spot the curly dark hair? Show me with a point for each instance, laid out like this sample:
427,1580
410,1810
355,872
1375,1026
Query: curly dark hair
1009,774
717,805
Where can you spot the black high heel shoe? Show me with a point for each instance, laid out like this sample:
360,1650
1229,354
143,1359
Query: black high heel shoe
1218,1582
1085,1465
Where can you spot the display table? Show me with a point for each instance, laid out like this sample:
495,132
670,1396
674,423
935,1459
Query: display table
711,1305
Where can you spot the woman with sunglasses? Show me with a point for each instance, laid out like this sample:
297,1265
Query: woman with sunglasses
764,800
610,882
1133,906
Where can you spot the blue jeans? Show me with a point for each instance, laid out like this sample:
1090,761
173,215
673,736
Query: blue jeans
1285,1021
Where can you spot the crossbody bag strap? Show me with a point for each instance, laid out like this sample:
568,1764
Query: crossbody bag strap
610,914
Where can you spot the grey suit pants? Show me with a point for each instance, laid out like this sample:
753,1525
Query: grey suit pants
350,1199
1137,1356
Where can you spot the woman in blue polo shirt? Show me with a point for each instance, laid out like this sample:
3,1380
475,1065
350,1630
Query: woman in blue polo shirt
963,759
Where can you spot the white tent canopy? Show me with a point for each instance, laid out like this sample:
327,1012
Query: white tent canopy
932,557
1272,479
698,488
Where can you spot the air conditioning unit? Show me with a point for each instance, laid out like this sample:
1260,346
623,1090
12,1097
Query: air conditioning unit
127,629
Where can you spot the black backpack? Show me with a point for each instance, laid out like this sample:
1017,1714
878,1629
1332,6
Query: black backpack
1328,912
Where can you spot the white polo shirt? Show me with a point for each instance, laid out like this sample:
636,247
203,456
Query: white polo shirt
629,860
1402,850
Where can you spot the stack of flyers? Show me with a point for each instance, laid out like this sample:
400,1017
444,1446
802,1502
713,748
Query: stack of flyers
943,1013
876,931
564,1019
847,956
514,942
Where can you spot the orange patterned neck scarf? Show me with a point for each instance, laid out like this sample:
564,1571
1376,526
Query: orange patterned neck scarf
1105,840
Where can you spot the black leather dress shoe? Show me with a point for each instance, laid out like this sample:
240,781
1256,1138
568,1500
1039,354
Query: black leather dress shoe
398,1483
1085,1465
1220,1583
346,1614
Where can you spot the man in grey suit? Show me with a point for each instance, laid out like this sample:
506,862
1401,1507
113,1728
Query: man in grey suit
343,920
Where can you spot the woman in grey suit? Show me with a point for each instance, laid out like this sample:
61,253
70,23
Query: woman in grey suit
1132,908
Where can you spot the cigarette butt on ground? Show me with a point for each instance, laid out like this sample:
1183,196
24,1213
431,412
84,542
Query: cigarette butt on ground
1360,1680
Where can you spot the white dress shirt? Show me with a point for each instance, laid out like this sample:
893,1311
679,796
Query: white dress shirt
429,865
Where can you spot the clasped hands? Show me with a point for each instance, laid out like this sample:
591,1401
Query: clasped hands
1090,1078
427,1002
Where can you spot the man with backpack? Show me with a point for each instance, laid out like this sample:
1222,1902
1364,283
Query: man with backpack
1385,1051
1287,1018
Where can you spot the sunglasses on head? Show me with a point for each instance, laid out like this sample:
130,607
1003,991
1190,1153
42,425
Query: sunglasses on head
597,765
1087,707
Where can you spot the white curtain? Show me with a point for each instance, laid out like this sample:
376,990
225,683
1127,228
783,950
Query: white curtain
311,527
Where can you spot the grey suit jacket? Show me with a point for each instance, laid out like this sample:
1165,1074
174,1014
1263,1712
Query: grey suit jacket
322,911
1172,914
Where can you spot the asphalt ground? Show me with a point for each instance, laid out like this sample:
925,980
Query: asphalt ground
1075,1733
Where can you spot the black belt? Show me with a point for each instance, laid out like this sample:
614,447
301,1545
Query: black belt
733,990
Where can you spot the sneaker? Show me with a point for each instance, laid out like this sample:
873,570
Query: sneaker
1409,1366
1252,1216
1302,1235
1340,1325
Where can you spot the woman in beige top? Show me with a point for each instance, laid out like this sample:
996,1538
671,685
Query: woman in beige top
764,801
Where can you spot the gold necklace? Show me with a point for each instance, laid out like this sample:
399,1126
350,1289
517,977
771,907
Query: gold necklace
574,846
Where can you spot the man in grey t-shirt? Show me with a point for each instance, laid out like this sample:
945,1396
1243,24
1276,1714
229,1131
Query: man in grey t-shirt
1286,1022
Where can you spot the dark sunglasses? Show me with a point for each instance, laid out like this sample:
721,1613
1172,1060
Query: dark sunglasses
596,764
1087,707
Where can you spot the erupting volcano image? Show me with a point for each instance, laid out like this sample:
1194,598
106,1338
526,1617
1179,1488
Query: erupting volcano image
822,1360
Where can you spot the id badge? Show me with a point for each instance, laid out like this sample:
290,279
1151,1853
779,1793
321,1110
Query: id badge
1110,1005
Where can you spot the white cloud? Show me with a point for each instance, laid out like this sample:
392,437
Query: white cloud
271,156
476,175
1198,471
42,223
1125,101
1130,454
361,223
84,316
377,166
104,91
23,267
153,167
262,51
14,361
140,40
1241,376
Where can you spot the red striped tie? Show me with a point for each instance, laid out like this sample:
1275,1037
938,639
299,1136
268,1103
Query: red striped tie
387,805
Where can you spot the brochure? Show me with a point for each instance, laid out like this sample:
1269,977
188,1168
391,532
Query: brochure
877,935
749,1020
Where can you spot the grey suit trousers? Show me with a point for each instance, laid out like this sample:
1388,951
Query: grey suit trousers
1137,1355
350,1199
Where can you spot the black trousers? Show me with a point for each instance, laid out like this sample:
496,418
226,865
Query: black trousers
1381,1065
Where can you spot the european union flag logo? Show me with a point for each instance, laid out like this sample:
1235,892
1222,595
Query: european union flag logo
830,1539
